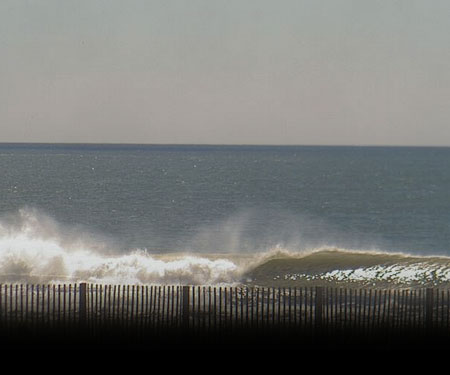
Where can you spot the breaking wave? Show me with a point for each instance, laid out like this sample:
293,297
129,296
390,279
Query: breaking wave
333,266
34,248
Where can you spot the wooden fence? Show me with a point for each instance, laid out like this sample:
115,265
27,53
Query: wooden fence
204,307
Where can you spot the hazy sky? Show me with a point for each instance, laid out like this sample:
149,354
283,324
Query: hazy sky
225,71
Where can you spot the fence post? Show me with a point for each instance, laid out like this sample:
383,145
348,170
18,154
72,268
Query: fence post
185,307
429,309
82,303
318,308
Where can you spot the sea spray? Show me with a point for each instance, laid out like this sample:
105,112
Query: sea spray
27,260
34,248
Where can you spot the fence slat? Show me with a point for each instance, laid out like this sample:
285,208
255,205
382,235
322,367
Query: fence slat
215,308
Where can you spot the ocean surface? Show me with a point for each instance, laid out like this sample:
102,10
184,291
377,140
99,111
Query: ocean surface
225,215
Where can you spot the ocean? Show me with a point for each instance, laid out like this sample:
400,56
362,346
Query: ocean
225,215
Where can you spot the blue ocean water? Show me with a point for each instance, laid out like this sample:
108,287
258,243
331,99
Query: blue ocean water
171,199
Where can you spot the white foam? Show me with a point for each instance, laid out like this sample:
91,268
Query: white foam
410,274
26,259
35,250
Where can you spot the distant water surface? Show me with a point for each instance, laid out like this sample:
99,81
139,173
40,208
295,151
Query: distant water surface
119,204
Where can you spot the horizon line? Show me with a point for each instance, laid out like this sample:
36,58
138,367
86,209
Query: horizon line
223,144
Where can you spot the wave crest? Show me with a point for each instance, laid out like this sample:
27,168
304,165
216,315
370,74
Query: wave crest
34,248
334,266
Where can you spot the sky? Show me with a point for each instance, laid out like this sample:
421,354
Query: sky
305,72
